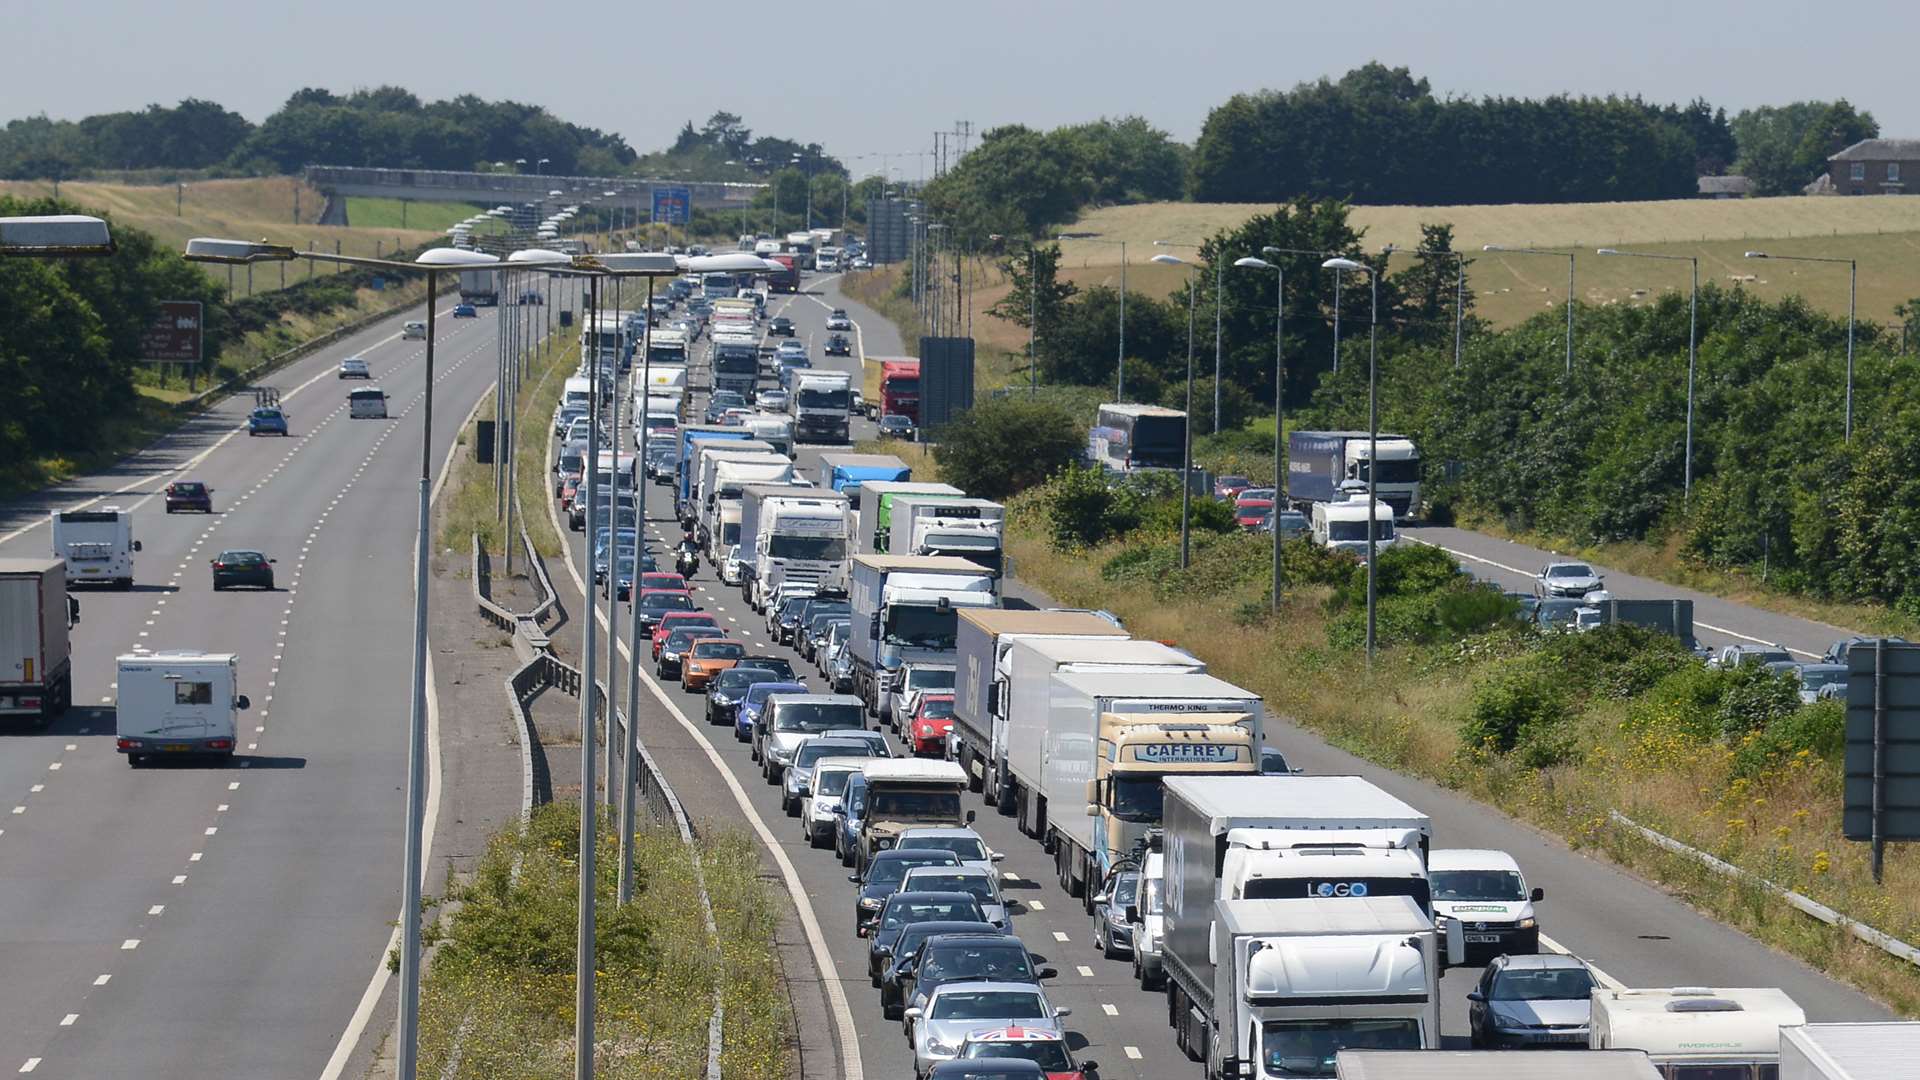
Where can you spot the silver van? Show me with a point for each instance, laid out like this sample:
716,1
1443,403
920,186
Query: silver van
369,403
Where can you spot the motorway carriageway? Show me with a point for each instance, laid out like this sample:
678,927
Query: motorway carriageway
199,919
1634,933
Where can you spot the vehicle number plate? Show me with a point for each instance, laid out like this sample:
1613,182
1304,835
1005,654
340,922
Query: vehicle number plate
175,746
1483,939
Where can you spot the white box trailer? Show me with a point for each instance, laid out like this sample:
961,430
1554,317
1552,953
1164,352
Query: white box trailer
1493,1065
877,498
98,545
983,640
177,703
1854,1051
1697,1030
36,651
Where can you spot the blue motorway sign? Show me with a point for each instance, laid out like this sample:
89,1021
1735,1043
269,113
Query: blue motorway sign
672,205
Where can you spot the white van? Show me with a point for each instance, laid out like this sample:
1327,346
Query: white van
577,392
177,702
97,544
414,331
369,403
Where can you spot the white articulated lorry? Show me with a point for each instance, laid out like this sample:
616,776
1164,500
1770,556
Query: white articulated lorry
874,517
1864,1050
98,545
969,529
791,534
906,610
985,637
723,493
36,651
1096,729
822,405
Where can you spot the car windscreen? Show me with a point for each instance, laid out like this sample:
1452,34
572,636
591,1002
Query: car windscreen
980,885
1049,1054
832,782
938,708
1476,885
719,650
671,601
817,749
1006,961
1575,570
963,847
1556,984
989,1005
740,678
816,716
902,910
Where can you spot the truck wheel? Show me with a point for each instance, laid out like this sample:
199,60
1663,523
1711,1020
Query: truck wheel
63,699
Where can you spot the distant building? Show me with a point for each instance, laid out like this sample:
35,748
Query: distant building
1725,187
1875,167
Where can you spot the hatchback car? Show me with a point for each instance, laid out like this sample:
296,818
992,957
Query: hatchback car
706,658
906,952
232,568
965,844
837,320
983,885
267,420
967,957
781,326
930,725
838,345
353,367
730,687
657,602
674,650
670,621
908,906
414,331
1539,1000
1045,1047
895,426
1112,934
957,1010
747,713
882,879
772,399
1574,579
185,495
465,311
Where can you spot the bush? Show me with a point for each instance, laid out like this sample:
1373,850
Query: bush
1755,699
1686,702
1084,509
1464,611
1818,730
1403,570
1005,445
1523,702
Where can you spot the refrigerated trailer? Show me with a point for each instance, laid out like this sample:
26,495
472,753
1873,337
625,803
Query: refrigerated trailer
36,651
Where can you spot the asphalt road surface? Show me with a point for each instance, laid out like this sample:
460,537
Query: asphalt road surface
1632,932
196,919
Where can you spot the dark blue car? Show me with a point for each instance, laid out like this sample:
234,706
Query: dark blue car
755,700
465,311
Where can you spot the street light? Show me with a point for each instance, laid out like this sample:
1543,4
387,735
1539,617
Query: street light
1853,283
433,263
1279,403
1120,362
1344,265
1567,255
1186,452
1218,267
520,163
540,167
1693,323
55,236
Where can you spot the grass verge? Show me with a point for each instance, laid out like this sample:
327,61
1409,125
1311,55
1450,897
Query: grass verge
1631,741
468,507
499,993
539,394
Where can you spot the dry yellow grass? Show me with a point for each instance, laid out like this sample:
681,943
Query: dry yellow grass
1883,233
241,209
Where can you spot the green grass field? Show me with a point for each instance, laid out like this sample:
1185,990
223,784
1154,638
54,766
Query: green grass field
1882,233
389,214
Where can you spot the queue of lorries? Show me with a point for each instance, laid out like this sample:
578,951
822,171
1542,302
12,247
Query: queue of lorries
1298,925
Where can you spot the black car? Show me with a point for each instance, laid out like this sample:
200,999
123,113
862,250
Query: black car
781,326
189,495
906,908
728,687
779,665
657,602
720,401
907,947
884,873
782,625
988,1069
895,426
241,568
838,345
810,613
946,958
674,649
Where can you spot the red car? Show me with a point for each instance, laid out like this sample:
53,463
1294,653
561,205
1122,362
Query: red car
657,579
1044,1047
189,495
932,720
1226,487
1252,513
674,620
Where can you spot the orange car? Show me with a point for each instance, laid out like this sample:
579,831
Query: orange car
706,658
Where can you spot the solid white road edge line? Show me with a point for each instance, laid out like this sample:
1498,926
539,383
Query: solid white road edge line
816,939
1606,980
190,462
370,998
1696,622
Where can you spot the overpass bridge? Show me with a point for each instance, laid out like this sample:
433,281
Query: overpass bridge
491,189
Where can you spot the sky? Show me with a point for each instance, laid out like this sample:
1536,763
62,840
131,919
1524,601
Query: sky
866,78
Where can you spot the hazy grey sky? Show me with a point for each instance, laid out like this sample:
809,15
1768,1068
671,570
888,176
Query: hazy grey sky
861,76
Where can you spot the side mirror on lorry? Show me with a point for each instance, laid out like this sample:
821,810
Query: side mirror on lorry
241,702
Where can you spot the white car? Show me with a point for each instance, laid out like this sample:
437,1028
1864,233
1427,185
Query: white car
956,1010
919,678
1566,579
839,321
414,331
730,565
826,789
354,367
965,844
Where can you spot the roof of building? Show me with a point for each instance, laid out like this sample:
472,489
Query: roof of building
1880,150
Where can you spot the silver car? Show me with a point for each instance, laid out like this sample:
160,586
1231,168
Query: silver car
1573,579
1539,1000
354,367
1112,934
796,782
957,1010
983,884
965,844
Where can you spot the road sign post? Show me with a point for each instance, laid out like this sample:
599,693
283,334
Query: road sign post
672,206
1881,790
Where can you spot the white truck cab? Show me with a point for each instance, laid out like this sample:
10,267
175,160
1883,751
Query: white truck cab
97,544
178,702
1697,1032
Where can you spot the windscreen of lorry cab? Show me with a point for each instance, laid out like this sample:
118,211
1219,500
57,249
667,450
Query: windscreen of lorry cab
922,627
811,717
1357,530
1308,1047
835,400
788,546
916,804
1393,472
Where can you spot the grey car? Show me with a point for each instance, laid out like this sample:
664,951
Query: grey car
984,885
1816,680
957,1010
1544,999
1567,579
1111,933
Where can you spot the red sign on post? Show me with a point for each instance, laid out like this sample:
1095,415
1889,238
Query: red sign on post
174,335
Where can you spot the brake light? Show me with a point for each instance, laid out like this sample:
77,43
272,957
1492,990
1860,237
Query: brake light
220,744
29,702
127,744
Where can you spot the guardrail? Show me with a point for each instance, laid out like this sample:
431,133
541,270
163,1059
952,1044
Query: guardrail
482,582
539,576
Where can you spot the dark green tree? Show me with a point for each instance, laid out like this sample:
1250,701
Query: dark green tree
1003,446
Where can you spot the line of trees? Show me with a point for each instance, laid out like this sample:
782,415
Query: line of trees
1019,181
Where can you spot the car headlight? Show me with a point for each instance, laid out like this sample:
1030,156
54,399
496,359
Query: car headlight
935,1046
1527,923
722,699
781,756
868,903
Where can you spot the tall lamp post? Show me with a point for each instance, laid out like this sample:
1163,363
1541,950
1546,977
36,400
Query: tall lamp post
1120,361
1219,267
433,263
1186,451
1693,329
1343,265
1567,255
1279,405
1853,292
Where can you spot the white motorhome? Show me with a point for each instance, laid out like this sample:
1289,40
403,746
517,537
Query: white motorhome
1342,526
1697,1032
177,702
97,544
